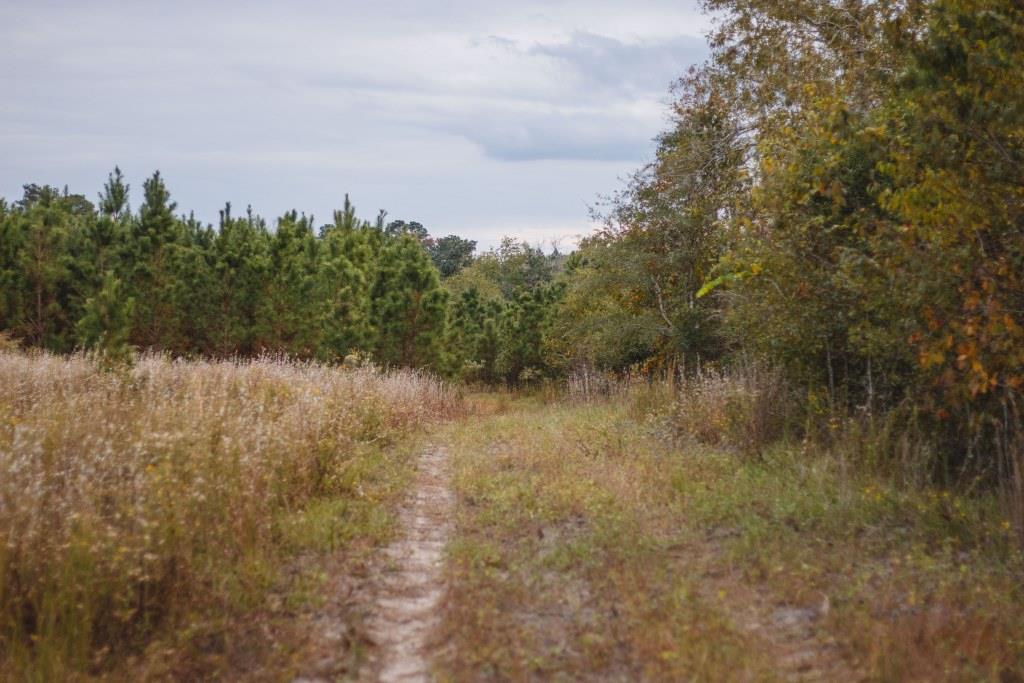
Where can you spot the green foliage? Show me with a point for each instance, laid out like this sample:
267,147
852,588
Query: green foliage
106,324
523,333
451,254
473,336
114,198
345,267
157,241
103,278
42,304
839,193
633,289
413,228
604,320
408,305
241,269
285,319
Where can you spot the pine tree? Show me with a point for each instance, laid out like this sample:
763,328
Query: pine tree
106,324
345,274
473,342
43,267
114,198
524,330
345,219
155,232
287,320
12,238
408,306
241,268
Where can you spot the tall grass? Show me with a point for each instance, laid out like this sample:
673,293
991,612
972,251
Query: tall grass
749,407
745,409
128,499
584,384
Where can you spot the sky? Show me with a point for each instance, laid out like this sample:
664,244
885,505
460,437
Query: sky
476,118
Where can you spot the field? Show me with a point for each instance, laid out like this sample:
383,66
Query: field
169,501
262,520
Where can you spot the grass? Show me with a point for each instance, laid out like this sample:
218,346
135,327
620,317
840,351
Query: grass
152,506
592,542
194,520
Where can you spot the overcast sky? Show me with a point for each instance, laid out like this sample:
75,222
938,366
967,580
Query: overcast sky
479,118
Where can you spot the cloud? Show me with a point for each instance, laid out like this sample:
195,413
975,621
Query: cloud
555,135
461,113
604,104
614,66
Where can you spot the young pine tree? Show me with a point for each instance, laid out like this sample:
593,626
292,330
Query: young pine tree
345,270
287,320
408,306
106,324
153,282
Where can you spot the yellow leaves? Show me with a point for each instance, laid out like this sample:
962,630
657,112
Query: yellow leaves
929,359
876,132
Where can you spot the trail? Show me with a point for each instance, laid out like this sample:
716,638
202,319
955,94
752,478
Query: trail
411,588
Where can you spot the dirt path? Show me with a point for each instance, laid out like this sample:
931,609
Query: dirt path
411,588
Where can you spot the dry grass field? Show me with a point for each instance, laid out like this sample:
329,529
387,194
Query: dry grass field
164,499
259,520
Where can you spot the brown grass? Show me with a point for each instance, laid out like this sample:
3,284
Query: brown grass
130,500
745,409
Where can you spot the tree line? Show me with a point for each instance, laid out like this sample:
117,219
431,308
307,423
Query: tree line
98,276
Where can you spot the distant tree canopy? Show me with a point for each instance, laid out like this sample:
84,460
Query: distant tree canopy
77,275
451,254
